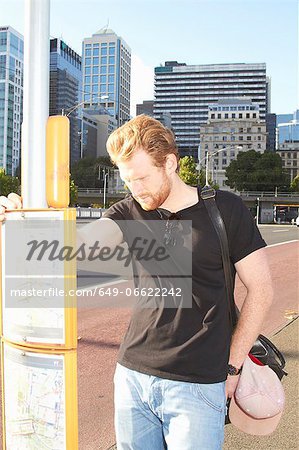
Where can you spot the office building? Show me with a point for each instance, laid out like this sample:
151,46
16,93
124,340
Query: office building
146,107
287,128
186,91
107,74
11,98
105,125
271,131
233,125
289,153
65,89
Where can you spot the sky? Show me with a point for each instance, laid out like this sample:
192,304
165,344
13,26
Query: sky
190,31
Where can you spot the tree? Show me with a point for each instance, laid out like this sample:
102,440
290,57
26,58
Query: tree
190,175
295,184
85,172
255,171
8,183
73,193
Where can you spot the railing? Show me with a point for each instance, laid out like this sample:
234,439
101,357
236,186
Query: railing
97,191
89,213
269,194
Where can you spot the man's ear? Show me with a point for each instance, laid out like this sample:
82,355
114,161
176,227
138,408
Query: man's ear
171,163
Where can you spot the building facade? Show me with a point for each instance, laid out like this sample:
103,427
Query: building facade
146,107
186,91
233,125
106,124
289,153
107,74
11,98
271,131
65,89
287,130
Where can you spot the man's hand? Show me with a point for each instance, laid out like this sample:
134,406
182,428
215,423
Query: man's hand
12,201
231,385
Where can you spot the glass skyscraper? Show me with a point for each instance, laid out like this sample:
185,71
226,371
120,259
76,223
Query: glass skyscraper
11,98
106,60
65,88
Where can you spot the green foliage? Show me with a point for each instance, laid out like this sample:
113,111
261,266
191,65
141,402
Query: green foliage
190,175
73,193
295,184
85,172
255,171
8,184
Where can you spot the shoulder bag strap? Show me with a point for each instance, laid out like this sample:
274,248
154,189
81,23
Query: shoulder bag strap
208,194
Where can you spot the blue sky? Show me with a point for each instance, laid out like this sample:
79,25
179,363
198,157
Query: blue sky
190,31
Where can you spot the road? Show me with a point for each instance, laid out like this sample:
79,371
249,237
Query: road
101,331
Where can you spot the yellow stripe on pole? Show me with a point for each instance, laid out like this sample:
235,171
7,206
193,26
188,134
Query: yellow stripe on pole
58,162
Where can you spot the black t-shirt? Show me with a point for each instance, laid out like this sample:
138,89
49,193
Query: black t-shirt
190,344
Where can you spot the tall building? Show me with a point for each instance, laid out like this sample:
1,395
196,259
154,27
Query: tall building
146,107
233,125
11,98
287,130
65,88
186,91
107,73
106,124
271,131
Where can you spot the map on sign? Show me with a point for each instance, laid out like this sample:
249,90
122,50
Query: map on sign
34,400
33,284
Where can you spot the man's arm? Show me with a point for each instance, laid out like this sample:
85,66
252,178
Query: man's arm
254,272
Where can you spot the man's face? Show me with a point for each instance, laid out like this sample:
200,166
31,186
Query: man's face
149,185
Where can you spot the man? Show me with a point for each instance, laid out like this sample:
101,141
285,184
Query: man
177,366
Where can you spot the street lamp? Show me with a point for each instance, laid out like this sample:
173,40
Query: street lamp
105,186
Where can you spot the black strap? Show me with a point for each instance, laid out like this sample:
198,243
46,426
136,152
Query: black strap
208,195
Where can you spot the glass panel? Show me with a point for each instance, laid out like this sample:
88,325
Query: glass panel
103,69
95,70
104,60
95,52
88,61
111,60
104,51
95,61
88,52
103,78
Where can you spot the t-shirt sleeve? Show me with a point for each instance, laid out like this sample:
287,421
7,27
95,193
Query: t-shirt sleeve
243,234
119,212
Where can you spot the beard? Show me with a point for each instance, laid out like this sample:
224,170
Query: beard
150,201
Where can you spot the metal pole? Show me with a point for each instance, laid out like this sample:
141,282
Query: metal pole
257,211
36,102
105,186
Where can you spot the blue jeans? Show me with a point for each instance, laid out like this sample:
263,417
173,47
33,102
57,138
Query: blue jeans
153,413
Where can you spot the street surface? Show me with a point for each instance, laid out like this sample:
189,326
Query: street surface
100,332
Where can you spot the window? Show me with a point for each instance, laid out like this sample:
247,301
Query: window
249,130
87,88
87,79
103,51
240,138
233,138
254,115
240,130
111,50
111,69
103,88
218,116
224,162
224,138
88,52
212,116
104,60
87,97
259,130
248,138
111,60
87,61
259,138
240,116
259,146
110,78
226,116
95,88
95,61
103,78
95,52
95,70
103,69
111,87
247,115
233,115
